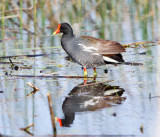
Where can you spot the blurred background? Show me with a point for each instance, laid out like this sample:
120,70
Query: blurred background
26,38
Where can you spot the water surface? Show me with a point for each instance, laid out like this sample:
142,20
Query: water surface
84,110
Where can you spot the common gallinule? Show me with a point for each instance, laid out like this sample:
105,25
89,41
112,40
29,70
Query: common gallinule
90,97
89,51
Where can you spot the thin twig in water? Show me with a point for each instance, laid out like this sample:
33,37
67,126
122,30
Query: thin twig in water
8,39
26,129
50,73
12,16
35,89
139,43
141,129
95,83
41,76
37,55
150,96
153,96
51,112
13,66
11,62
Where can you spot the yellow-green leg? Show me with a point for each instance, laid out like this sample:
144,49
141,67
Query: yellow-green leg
85,72
85,75
95,72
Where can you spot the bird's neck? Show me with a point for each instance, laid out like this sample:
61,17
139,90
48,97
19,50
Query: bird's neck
68,34
67,39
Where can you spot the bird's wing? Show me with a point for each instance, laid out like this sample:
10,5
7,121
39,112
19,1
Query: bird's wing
100,46
115,58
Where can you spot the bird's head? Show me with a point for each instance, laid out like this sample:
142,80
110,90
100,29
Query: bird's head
63,28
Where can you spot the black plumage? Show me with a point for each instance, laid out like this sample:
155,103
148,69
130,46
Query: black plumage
89,51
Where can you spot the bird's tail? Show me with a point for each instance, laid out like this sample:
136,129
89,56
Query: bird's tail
132,63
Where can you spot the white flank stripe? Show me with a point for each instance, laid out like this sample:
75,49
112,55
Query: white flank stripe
92,101
95,54
109,59
87,48
111,91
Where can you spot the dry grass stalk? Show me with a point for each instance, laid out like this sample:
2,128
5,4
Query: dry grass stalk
8,17
50,73
16,10
35,89
26,129
138,43
19,18
51,112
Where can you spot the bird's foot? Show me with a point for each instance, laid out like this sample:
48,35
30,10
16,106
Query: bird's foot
85,80
95,74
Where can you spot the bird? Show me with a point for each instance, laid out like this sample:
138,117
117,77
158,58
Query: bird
90,97
90,52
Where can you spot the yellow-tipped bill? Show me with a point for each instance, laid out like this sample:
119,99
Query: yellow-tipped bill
57,30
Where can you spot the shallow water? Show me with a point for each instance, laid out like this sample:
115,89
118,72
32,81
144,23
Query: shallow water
84,110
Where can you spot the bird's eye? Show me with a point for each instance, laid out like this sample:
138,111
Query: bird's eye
61,27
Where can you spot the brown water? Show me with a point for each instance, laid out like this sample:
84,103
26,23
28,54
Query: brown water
85,110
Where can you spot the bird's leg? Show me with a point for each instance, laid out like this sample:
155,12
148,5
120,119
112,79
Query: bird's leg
85,81
95,72
85,72
85,75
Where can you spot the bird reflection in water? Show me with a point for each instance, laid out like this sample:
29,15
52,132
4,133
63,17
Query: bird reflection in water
90,97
